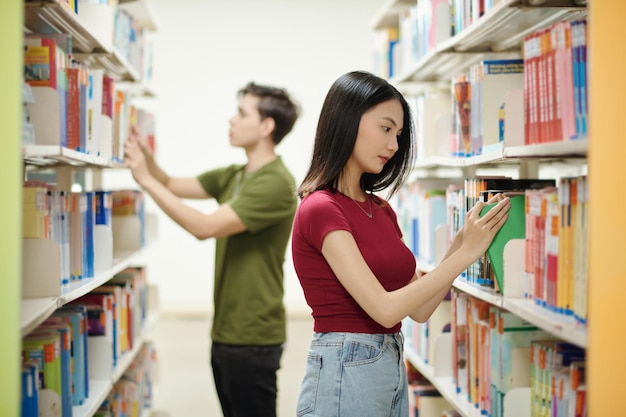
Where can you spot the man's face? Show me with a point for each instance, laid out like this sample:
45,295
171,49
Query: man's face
246,126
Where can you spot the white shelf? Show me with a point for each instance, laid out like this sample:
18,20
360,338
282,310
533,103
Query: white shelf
140,88
553,323
91,31
573,148
387,16
444,385
500,30
484,294
98,391
143,13
52,17
112,62
551,150
53,155
121,261
36,310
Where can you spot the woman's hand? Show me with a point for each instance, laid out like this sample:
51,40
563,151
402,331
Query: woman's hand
458,237
478,232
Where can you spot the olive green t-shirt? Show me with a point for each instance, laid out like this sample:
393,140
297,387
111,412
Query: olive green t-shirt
248,288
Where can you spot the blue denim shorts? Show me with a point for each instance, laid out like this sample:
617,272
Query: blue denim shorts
354,375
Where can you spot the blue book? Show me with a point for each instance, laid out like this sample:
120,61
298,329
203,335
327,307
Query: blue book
76,315
30,389
103,207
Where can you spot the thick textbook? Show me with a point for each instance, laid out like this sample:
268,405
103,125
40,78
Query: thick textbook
513,228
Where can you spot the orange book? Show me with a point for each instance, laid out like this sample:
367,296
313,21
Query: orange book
40,66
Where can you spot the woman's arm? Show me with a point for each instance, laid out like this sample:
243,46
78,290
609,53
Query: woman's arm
423,312
388,308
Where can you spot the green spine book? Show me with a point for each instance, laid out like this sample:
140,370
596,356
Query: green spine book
513,228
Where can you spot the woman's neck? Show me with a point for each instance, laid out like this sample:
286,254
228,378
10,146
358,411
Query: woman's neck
351,188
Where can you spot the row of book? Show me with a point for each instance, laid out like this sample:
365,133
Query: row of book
423,336
133,393
70,219
424,399
421,209
74,106
421,27
488,271
549,216
556,239
495,351
56,356
539,98
555,83
477,98
133,42
117,28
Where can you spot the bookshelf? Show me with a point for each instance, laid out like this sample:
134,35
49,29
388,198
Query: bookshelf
119,246
501,30
10,181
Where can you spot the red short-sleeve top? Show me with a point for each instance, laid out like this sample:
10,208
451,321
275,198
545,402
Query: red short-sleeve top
380,241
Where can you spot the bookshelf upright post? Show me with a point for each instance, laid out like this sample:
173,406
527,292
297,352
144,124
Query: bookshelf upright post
607,147
10,214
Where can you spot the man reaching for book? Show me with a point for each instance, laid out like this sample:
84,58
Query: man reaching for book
252,225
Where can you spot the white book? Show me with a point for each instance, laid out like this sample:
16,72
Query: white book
94,111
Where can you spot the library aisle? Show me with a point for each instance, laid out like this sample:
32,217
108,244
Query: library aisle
185,383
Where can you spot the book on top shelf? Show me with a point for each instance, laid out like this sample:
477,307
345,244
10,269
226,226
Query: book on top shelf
45,64
495,79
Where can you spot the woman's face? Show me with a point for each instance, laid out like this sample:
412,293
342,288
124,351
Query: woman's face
377,138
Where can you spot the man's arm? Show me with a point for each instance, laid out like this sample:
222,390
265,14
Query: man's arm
223,222
188,187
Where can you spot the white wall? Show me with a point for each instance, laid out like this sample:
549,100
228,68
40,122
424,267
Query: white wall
205,51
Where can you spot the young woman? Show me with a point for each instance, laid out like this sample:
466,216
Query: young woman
357,274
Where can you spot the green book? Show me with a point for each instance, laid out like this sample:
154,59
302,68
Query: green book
513,228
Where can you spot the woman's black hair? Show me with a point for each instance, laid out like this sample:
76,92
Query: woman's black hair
350,96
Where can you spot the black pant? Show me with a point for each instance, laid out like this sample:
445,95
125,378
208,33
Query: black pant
245,379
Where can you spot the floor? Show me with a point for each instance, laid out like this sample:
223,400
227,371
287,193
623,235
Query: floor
185,384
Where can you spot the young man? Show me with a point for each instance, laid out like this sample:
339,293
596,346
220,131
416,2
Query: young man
252,225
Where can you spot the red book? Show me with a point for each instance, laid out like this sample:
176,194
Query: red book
108,96
73,107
